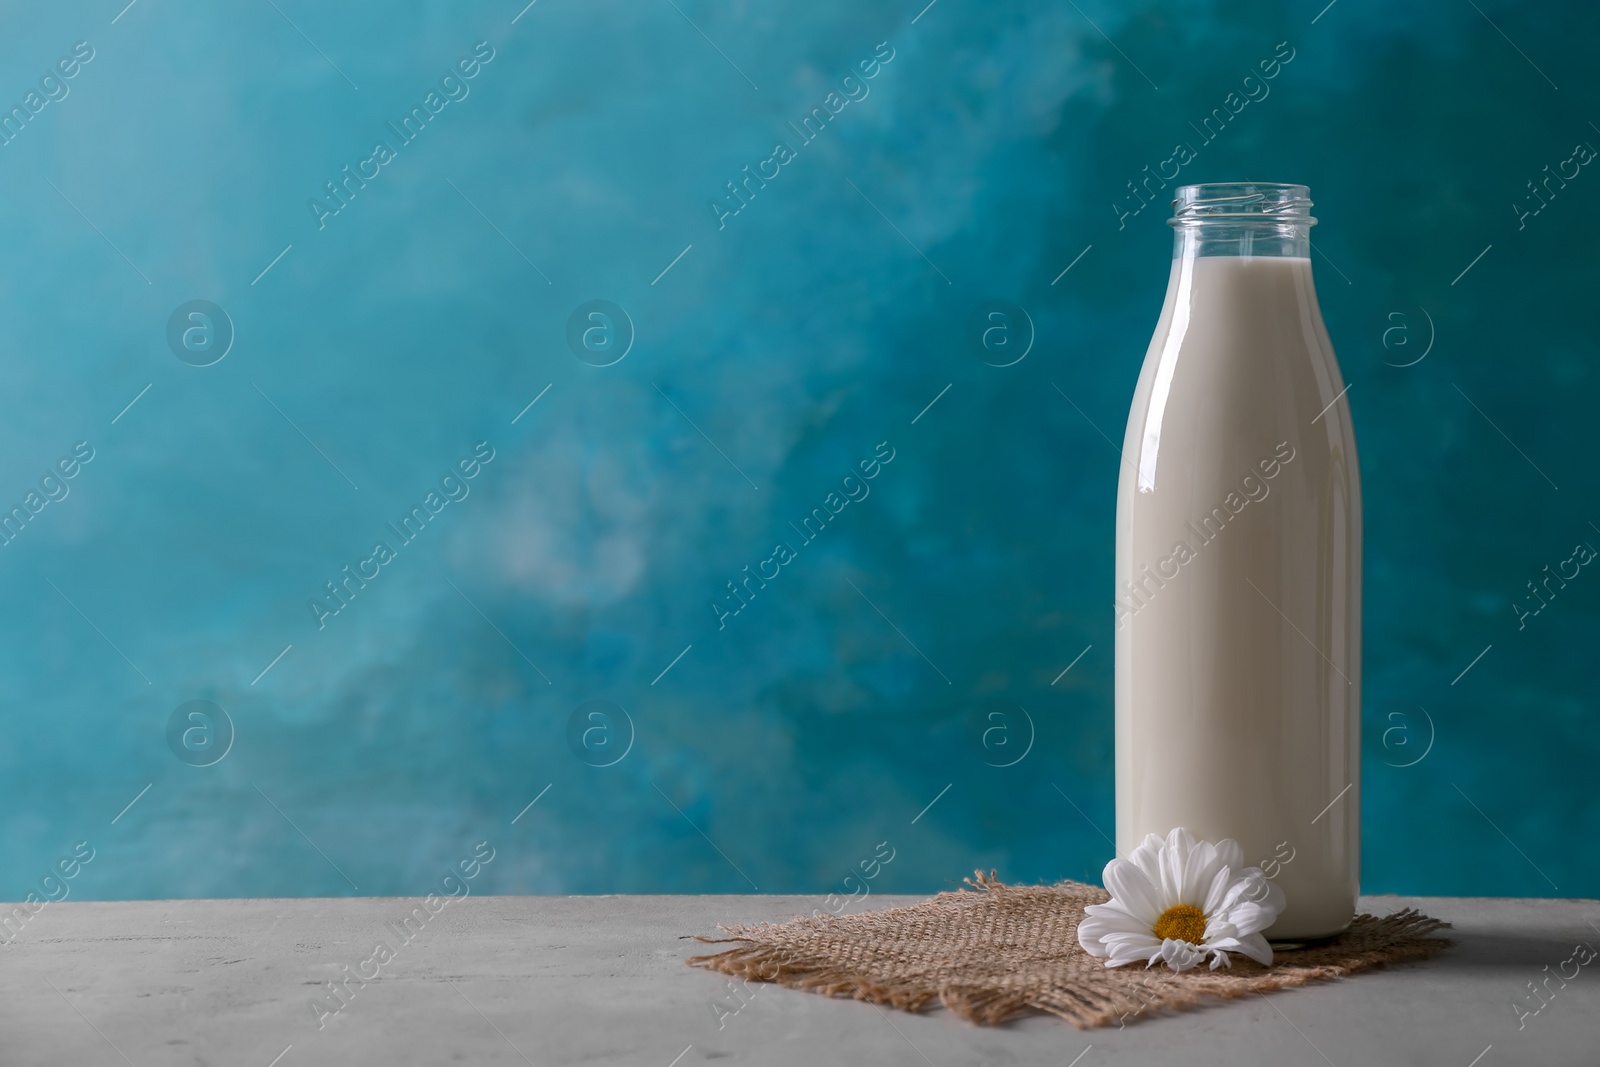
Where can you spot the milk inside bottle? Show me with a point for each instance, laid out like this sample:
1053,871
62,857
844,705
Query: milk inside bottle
1238,570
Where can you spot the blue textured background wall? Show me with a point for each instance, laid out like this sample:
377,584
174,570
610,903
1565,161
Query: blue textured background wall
772,350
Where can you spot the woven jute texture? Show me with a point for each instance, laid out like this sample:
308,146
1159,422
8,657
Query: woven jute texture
993,951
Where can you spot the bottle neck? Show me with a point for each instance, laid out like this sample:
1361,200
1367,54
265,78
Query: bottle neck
1264,237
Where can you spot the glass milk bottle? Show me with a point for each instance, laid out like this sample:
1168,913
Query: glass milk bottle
1238,600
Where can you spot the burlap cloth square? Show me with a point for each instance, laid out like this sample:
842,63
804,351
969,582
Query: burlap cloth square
993,951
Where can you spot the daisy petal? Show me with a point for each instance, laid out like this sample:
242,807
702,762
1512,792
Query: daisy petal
1147,858
1132,889
1275,899
1220,883
1255,946
1174,860
1126,951
1111,919
1133,950
1180,955
1096,932
1254,916
1201,869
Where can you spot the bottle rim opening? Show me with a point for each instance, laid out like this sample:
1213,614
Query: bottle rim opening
1273,202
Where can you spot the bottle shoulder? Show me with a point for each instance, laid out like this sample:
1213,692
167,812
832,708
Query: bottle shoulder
1240,367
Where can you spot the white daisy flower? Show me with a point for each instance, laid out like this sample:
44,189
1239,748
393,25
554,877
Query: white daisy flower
1179,901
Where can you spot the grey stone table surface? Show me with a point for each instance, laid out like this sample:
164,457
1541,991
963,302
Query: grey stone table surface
601,980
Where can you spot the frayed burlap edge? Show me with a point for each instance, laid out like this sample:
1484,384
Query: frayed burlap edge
994,951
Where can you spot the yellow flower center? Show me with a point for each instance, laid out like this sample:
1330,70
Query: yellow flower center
1182,922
